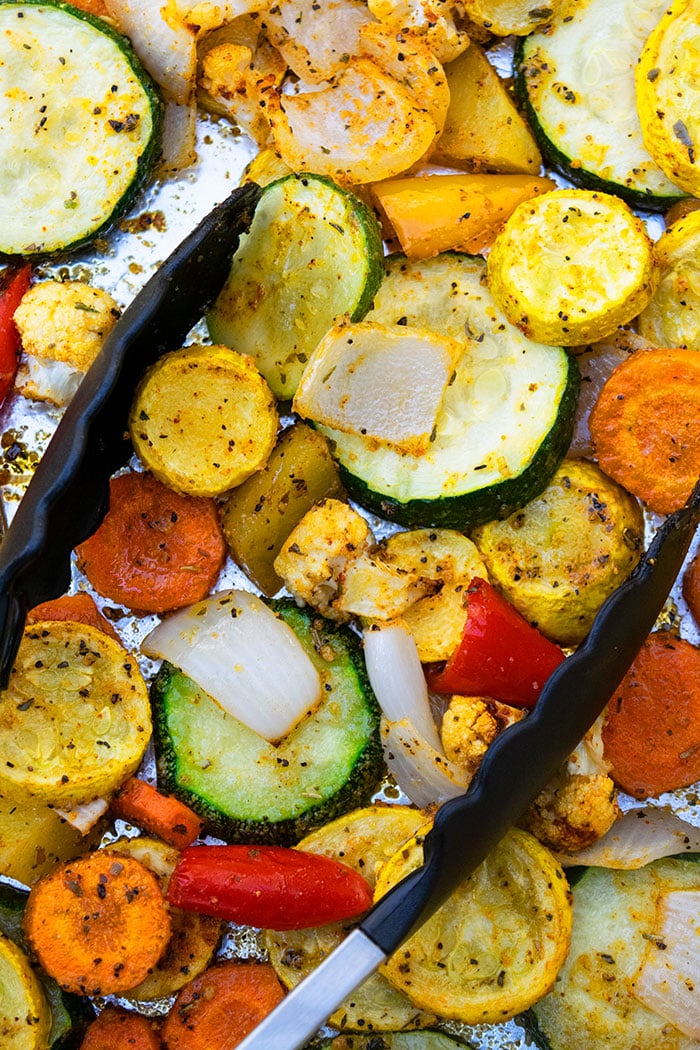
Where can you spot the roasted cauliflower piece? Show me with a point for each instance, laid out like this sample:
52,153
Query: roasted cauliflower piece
63,325
573,811
316,555
470,724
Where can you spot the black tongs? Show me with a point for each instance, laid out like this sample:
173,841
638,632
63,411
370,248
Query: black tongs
68,495
517,766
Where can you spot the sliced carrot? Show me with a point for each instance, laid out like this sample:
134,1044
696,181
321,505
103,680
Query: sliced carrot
156,550
691,587
221,1006
645,426
77,608
98,924
652,733
163,815
117,1029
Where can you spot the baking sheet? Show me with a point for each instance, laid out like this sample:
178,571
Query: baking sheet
121,264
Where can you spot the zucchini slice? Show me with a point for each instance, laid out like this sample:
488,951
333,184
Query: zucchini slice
80,123
250,790
592,1002
312,255
505,385
576,82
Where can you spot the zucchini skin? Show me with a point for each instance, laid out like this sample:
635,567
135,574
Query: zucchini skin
151,153
562,164
357,789
480,506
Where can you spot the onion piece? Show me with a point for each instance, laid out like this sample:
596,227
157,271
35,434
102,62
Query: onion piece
667,981
422,773
166,45
245,657
84,816
178,142
636,839
396,676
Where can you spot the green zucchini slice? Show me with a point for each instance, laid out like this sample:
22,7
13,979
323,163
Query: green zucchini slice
505,422
79,126
312,255
247,789
591,1004
576,83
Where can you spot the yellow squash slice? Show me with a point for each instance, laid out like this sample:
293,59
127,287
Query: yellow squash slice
672,318
668,94
495,947
25,1017
203,420
75,719
518,17
570,266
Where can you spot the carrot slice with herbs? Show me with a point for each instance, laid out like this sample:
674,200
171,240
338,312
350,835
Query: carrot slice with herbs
118,1029
645,426
163,815
221,1006
652,734
76,608
98,924
156,550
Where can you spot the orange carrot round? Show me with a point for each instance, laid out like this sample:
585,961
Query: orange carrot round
163,815
98,924
645,426
652,734
221,1006
156,550
78,608
118,1029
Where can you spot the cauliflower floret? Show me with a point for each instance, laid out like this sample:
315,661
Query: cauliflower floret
316,554
573,811
63,325
470,724
328,562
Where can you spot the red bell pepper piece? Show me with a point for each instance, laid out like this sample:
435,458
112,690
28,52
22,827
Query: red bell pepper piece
500,655
267,886
12,287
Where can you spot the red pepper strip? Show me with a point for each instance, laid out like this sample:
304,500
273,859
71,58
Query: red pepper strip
500,655
12,288
267,886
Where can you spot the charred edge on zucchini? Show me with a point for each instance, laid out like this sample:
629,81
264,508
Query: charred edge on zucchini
327,785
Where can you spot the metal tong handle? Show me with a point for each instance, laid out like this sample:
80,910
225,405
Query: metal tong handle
68,495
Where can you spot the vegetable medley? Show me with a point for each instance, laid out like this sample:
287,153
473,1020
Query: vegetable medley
372,504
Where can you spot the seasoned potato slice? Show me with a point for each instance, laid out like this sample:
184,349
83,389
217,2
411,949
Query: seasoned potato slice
76,719
203,420
258,515
559,557
497,943
34,839
365,840
571,266
668,96
451,560
483,129
672,318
